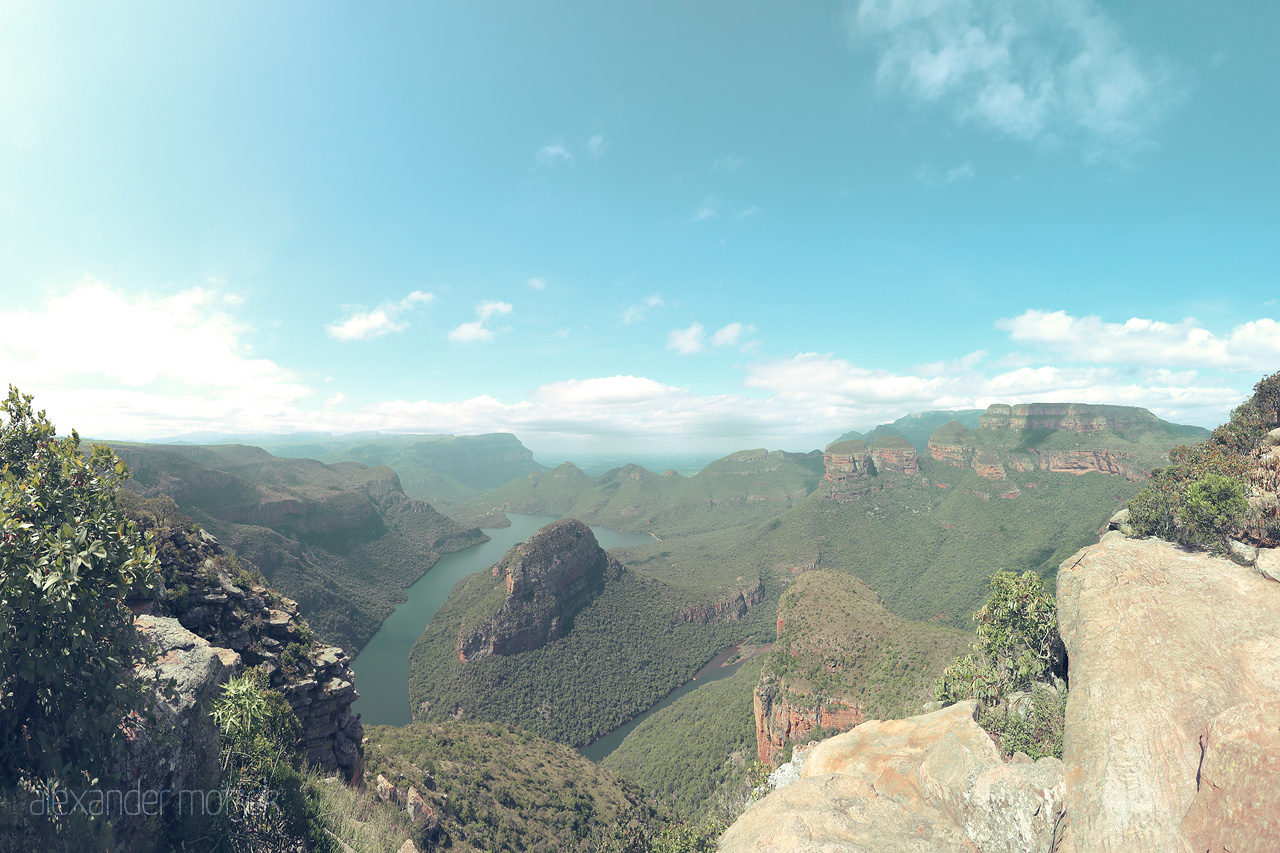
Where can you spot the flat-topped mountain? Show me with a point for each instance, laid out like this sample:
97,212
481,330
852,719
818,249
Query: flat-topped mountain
548,579
343,540
917,427
1073,438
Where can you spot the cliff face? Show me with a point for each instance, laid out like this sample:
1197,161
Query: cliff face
1067,417
841,658
846,460
891,453
853,459
730,608
1170,744
781,720
548,579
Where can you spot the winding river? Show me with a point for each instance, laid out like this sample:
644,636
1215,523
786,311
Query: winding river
382,667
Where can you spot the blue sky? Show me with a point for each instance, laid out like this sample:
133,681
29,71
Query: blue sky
668,226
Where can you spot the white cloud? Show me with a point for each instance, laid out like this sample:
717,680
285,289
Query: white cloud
930,177
641,309
553,155
832,389
728,163
1253,346
597,145
1034,70
727,336
686,341
537,284
478,330
336,400
96,358
362,325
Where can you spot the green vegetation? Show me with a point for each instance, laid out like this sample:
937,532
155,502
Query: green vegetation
839,644
497,787
1018,651
744,487
917,428
1199,500
625,651
269,809
68,561
700,746
342,540
922,547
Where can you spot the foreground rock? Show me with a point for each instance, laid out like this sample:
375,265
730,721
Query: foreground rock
929,783
1172,739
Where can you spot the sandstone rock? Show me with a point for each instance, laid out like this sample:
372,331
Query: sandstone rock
408,846
1161,643
825,814
1120,519
1268,563
386,791
932,782
1245,555
846,460
1237,806
1271,439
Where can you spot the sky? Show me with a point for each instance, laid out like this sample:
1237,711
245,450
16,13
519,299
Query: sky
661,226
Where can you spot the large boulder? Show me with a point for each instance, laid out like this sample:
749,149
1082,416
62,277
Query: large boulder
1171,737
931,782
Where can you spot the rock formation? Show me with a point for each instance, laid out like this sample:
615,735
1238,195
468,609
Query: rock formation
255,626
1067,417
729,608
1172,737
929,783
953,443
845,460
781,720
548,578
1171,740
892,453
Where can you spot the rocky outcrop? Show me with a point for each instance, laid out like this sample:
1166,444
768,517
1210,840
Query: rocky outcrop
259,627
954,444
894,454
1084,461
782,719
549,578
1067,417
730,608
934,782
846,460
181,751
986,464
1171,732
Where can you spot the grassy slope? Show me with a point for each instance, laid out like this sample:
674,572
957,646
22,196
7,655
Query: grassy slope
506,788
744,487
347,580
839,641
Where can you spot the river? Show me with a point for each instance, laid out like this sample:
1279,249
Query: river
713,671
382,667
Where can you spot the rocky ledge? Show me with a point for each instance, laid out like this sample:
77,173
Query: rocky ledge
1171,740
549,578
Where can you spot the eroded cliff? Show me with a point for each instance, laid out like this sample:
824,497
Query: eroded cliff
546,581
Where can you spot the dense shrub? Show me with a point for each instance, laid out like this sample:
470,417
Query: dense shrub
1199,499
1018,650
68,562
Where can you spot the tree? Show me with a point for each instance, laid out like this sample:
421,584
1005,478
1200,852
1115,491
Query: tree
68,562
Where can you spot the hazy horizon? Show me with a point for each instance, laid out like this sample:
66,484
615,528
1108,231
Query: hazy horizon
670,228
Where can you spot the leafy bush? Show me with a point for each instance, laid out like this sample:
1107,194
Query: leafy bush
1200,498
1037,732
68,562
1017,643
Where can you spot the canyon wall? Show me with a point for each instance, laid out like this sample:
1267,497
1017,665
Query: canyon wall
548,579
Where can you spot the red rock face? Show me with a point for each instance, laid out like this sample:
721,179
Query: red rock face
845,466
951,454
728,609
778,721
1084,461
901,461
